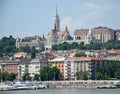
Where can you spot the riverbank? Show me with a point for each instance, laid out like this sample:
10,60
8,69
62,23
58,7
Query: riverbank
61,84
81,83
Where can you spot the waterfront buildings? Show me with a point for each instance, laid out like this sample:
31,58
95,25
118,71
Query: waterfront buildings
75,64
66,63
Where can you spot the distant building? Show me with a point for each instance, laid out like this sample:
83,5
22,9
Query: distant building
36,42
20,55
102,34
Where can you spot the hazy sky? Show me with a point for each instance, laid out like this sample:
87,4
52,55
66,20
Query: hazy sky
21,18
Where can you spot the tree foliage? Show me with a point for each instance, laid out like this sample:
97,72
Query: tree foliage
7,46
107,71
26,76
82,75
37,77
81,54
5,76
48,73
91,46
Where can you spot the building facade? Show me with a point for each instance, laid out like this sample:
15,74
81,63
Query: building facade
23,67
10,67
59,63
36,42
35,65
102,34
75,64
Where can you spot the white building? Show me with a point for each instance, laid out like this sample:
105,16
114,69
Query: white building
75,64
22,67
35,65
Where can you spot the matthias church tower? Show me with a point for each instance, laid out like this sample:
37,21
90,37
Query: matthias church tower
55,36
56,21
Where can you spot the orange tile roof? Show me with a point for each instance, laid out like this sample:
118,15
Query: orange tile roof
20,54
85,58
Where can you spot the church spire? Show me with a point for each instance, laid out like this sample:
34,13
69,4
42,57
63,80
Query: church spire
56,13
56,21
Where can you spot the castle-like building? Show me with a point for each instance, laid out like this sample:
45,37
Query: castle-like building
102,34
35,41
56,36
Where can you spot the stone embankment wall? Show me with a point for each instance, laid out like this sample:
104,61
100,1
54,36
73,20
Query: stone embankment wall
80,83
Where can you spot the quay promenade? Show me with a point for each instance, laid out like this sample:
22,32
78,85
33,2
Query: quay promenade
80,83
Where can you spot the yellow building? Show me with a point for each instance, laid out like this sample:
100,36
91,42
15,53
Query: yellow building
58,63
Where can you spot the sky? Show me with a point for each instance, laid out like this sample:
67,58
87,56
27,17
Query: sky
21,18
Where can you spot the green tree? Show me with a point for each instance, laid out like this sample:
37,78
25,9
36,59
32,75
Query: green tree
37,77
99,76
7,46
26,76
25,49
12,76
55,73
5,76
117,74
48,73
82,75
33,54
81,54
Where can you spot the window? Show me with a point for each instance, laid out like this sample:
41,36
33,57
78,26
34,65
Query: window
36,67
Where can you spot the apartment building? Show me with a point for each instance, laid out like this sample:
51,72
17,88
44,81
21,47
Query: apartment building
75,64
59,63
35,65
23,67
10,67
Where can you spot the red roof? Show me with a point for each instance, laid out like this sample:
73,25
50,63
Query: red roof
85,58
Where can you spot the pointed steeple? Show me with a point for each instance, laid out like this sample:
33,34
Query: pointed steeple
56,13
56,21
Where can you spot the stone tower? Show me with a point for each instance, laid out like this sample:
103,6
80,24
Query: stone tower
90,36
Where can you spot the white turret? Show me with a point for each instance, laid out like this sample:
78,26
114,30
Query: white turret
90,35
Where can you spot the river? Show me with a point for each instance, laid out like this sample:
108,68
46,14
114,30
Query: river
64,91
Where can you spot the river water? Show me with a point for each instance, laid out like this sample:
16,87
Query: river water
64,91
